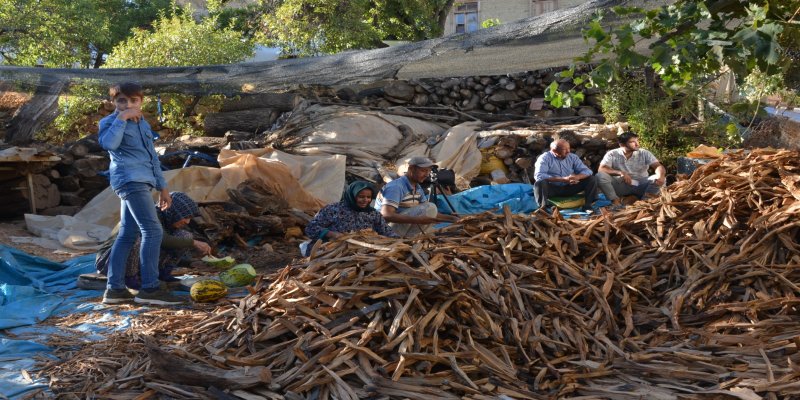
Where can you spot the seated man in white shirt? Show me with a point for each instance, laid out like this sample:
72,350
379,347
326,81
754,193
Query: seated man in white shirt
625,171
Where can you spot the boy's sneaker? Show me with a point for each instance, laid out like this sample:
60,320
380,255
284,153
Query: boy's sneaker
158,297
117,296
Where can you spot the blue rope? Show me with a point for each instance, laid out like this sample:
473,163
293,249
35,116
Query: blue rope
160,113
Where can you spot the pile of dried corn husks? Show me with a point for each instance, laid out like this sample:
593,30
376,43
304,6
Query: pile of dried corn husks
688,296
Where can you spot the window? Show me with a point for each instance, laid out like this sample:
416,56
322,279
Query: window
544,6
466,17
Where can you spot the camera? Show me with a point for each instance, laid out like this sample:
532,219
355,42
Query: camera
444,177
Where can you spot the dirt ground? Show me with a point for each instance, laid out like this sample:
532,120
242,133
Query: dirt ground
12,228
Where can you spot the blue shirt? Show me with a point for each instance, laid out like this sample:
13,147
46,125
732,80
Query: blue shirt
550,166
400,194
133,155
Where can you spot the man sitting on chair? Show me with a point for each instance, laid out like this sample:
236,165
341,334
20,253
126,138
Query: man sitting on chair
561,173
403,202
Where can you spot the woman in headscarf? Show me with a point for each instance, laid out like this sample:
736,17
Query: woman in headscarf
353,213
176,244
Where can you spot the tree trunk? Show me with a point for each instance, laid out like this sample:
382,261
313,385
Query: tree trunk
179,370
37,113
256,120
442,13
275,101
553,40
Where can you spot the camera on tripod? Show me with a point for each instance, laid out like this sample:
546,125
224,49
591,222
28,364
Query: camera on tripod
444,177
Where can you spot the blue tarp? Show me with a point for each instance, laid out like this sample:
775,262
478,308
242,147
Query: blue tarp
20,268
518,196
31,290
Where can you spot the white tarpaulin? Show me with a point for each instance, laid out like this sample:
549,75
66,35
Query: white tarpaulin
365,137
370,139
459,152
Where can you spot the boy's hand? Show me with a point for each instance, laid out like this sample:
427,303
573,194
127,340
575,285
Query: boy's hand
131,114
165,200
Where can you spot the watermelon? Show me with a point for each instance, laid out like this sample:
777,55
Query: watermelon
240,275
207,291
219,262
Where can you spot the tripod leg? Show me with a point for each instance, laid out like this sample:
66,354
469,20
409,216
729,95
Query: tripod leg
446,200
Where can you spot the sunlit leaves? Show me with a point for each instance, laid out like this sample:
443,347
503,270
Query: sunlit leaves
691,40
312,27
178,41
58,33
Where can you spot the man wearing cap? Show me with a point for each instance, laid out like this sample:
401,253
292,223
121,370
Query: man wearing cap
561,173
403,202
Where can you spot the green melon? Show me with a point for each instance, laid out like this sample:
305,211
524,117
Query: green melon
219,262
240,275
208,290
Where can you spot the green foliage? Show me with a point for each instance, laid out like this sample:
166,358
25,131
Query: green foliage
652,116
311,27
246,20
176,40
180,112
648,114
692,41
572,97
179,40
57,33
75,109
488,23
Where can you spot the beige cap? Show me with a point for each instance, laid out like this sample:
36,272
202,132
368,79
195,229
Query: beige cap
421,161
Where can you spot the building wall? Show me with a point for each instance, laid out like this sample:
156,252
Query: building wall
508,10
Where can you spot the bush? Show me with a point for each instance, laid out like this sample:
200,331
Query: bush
649,114
75,112
180,41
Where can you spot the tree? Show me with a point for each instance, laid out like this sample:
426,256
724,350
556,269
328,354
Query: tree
179,40
690,43
693,40
310,27
57,33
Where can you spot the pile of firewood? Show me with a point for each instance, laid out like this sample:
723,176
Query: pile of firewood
253,211
77,174
687,296
481,96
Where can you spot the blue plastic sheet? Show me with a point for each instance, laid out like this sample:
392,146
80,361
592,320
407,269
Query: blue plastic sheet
25,305
15,356
31,290
517,196
20,268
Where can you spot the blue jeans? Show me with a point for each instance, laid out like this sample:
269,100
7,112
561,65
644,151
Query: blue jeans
137,214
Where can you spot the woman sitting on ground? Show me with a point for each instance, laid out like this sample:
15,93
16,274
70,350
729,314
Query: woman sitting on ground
176,244
353,213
